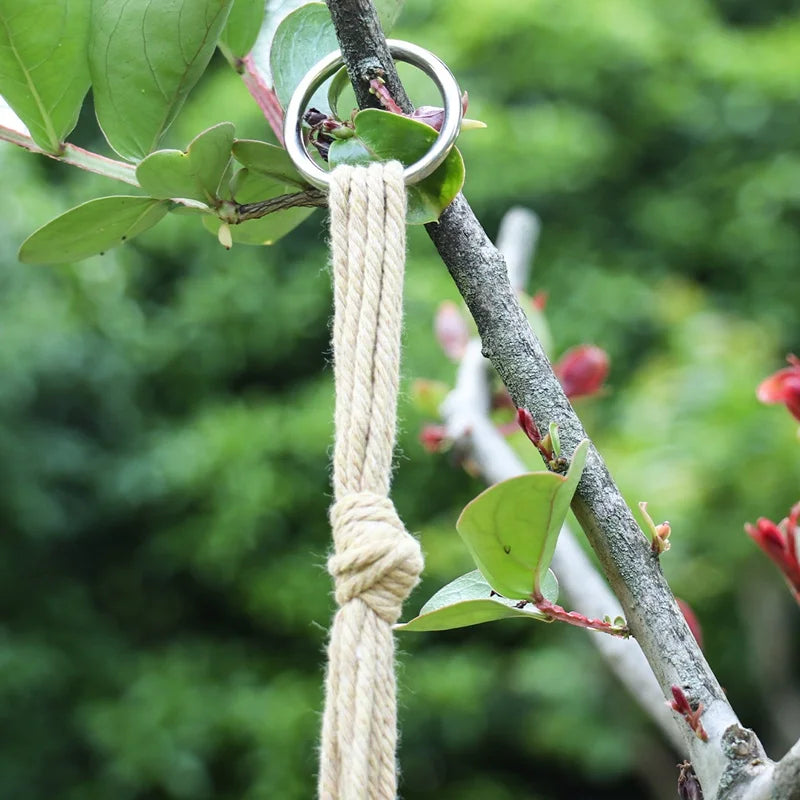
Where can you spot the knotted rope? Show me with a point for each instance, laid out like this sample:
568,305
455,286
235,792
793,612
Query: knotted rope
376,562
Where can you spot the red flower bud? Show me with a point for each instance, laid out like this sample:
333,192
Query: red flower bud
779,542
433,437
451,330
582,370
526,422
539,300
691,621
680,704
783,386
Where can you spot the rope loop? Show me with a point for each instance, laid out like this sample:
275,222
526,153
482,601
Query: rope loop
376,559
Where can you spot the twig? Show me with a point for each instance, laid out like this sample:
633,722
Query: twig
479,272
77,157
310,197
265,97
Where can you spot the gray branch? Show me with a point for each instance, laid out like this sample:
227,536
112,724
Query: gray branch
466,416
786,779
634,573
313,198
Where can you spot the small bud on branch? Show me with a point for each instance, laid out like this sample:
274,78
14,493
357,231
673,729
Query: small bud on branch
659,534
688,784
680,705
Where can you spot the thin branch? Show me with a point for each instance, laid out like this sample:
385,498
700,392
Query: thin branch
366,54
76,156
308,198
479,272
264,96
466,417
121,171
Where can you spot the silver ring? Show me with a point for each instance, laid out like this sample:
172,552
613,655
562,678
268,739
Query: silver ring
432,66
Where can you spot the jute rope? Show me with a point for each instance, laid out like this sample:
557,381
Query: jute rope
376,562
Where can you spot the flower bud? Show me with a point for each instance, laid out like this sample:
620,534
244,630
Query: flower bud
539,300
527,423
433,438
780,543
582,370
783,386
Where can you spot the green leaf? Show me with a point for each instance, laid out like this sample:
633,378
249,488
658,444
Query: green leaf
145,57
278,10
339,83
511,529
241,30
44,74
382,136
195,173
555,439
302,39
468,600
267,159
92,228
349,151
264,231
249,187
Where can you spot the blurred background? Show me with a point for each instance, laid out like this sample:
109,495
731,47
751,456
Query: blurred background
165,428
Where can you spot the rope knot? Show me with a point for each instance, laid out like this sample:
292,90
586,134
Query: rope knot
375,559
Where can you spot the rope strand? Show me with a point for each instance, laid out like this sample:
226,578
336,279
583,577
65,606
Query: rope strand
376,562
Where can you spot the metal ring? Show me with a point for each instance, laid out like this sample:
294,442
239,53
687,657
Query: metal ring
432,66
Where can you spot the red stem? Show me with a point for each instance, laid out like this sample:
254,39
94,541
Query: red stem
265,97
556,612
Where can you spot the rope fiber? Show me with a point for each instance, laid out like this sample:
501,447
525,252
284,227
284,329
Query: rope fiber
376,562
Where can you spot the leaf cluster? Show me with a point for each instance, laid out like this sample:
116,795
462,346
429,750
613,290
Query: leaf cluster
142,61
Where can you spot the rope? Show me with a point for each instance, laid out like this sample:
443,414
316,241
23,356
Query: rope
376,562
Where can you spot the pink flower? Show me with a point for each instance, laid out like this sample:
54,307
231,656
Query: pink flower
783,387
779,542
582,370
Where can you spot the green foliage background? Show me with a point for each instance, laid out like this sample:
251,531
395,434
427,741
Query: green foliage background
165,428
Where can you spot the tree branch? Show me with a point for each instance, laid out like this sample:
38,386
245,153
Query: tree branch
479,272
308,198
786,780
365,52
466,417
76,156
